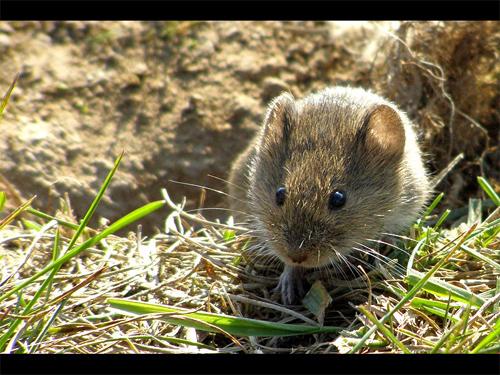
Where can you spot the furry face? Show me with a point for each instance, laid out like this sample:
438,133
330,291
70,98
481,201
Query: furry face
303,227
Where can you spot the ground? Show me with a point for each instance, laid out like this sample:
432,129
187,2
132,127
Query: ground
182,99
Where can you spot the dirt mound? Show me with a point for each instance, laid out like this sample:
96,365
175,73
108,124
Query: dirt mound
445,74
183,98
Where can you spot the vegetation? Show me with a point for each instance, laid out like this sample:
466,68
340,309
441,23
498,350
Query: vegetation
66,287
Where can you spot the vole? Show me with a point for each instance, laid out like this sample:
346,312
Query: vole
324,175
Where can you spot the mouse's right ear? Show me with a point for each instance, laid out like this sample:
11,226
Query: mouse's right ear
385,136
279,119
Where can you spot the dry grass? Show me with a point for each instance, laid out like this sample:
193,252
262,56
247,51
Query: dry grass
199,265
446,76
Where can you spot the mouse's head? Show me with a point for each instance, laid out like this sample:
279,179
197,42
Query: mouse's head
326,174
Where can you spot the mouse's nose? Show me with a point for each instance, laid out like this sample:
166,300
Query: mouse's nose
297,257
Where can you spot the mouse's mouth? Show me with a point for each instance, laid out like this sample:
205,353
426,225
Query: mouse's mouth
304,258
316,257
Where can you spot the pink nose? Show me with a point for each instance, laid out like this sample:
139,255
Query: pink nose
297,257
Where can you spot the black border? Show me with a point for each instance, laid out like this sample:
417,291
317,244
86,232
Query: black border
250,364
250,10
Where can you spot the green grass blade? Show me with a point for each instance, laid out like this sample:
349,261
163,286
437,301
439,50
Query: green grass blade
428,211
495,349
493,335
7,95
478,255
43,215
414,290
413,254
493,226
95,202
3,199
490,235
9,333
442,288
449,337
387,333
28,224
439,312
434,204
7,220
232,325
442,219
28,308
116,226
435,307
229,235
44,330
488,189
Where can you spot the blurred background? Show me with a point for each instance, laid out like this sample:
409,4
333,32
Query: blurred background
184,98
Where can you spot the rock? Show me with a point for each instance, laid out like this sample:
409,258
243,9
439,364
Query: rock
243,106
272,87
141,69
232,34
255,69
33,133
5,41
193,107
6,28
205,50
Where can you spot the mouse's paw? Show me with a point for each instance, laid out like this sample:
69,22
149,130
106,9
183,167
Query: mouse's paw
291,285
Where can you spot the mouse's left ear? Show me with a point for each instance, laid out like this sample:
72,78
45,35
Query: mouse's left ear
279,118
385,134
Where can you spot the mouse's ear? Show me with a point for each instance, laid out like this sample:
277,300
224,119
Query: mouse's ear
385,134
280,117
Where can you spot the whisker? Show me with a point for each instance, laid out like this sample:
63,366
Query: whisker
382,259
390,245
371,252
338,265
207,188
211,208
355,272
201,209
406,238
226,181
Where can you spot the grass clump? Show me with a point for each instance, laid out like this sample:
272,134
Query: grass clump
192,289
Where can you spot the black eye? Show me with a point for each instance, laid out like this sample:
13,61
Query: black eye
280,196
337,199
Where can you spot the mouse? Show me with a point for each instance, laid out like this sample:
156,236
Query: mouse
324,175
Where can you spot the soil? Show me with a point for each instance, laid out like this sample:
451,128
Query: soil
182,99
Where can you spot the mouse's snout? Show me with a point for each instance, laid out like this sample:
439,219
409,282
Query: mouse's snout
304,241
299,247
297,256
300,241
